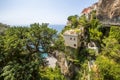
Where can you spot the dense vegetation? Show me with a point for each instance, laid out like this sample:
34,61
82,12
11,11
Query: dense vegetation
3,27
20,52
107,60
21,49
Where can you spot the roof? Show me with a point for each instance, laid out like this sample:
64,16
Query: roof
72,32
86,10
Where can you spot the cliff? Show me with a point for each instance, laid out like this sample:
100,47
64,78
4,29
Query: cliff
109,10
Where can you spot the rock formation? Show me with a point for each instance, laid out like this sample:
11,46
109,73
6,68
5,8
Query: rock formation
109,10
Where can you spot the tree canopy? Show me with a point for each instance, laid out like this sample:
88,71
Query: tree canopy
20,50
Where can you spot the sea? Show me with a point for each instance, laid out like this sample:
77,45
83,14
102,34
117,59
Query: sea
57,27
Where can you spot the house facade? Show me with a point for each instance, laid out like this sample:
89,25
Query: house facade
72,38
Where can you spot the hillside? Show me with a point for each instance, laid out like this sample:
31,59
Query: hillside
93,52
84,50
109,10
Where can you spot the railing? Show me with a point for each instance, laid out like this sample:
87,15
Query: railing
110,23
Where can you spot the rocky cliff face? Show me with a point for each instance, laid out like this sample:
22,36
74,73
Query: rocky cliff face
109,10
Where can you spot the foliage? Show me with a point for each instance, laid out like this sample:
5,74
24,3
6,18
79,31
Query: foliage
94,30
108,61
65,29
83,21
3,27
73,20
41,36
20,51
112,49
17,71
59,43
83,72
115,32
51,74
109,70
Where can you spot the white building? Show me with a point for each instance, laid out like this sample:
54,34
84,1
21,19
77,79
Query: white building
72,38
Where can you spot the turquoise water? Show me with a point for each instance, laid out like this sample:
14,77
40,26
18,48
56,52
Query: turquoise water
44,55
56,27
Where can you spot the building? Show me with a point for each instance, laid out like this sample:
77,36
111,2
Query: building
86,12
72,38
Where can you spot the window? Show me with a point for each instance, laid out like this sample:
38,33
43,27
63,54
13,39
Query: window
74,38
70,38
74,45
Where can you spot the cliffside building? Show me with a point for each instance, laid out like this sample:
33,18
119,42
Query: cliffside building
72,38
87,11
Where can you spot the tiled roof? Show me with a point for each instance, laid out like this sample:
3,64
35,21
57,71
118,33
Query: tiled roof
86,10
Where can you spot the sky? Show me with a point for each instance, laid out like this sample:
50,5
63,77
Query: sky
24,12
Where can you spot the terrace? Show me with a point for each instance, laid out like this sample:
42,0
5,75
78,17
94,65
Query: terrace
110,23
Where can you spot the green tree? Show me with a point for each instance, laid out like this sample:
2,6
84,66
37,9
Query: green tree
51,74
21,48
73,20
109,70
3,27
108,61
59,43
111,49
40,37
115,32
94,30
83,21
